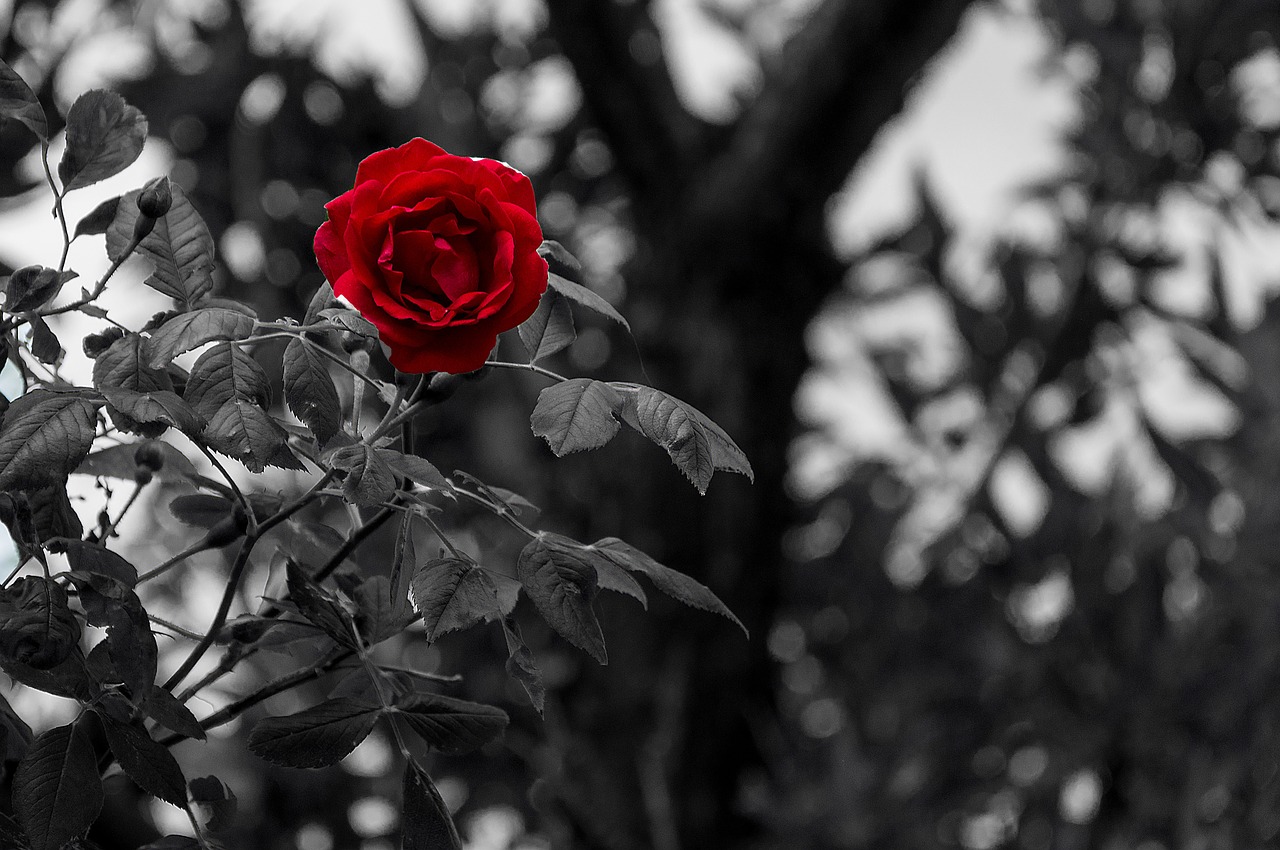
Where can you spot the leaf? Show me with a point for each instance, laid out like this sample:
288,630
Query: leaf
87,557
381,614
104,137
317,606
145,760
549,329
309,390
561,581
99,218
31,287
173,842
674,426
321,299
587,298
192,330
15,735
19,102
426,824
202,510
416,469
452,594
675,584
56,790
179,246
155,406
318,737
243,430
11,835
368,479
521,666
130,642
44,342
346,319
576,415
451,725
43,438
165,709
223,373
554,250
69,679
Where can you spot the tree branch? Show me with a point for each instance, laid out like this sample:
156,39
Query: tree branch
839,80
616,51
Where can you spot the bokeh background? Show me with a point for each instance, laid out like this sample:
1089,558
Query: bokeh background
986,291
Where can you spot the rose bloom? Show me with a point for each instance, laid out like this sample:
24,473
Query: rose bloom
439,252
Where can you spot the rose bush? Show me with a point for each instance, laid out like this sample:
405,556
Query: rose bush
439,251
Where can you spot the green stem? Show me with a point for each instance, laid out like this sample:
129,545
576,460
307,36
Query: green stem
526,367
58,211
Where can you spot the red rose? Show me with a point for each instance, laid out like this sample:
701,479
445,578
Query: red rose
440,252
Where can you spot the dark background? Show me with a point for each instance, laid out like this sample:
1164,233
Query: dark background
919,673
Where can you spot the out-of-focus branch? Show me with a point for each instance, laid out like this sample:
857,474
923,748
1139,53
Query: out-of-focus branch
839,80
616,51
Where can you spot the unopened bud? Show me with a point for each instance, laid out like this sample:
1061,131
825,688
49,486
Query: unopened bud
149,456
95,344
156,198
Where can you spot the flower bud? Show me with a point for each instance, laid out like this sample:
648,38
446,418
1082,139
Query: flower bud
142,476
95,344
148,456
156,198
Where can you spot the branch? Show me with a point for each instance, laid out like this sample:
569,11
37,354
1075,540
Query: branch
633,101
839,80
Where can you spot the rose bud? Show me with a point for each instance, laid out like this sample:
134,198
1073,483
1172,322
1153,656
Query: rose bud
156,198
149,456
95,344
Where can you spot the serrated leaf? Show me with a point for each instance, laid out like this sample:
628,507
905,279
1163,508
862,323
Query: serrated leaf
381,614
673,583
318,737
90,558
368,479
416,469
243,430
549,329
44,342
56,790
322,299
521,666
31,287
122,366
104,136
674,426
317,606
155,406
576,415
145,760
44,437
346,319
426,823
451,725
223,373
69,679
562,583
179,247
165,709
452,594
578,293
309,390
98,219
129,641
19,102
191,330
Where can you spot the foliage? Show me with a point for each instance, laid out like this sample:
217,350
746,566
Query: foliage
225,407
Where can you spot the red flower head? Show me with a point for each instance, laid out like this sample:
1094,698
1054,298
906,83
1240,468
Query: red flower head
440,252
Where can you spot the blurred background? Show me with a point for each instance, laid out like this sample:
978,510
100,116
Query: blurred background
985,290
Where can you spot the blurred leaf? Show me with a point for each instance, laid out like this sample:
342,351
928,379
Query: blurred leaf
19,102
98,219
562,583
521,666
165,709
214,800
317,737
104,136
56,790
44,342
119,462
